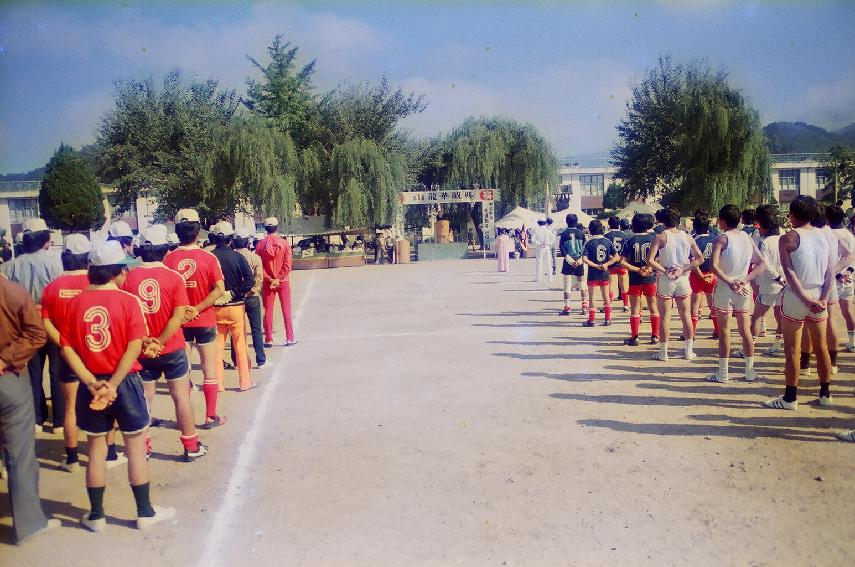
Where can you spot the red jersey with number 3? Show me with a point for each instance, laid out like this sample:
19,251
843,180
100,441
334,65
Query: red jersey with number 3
160,290
59,292
99,324
201,272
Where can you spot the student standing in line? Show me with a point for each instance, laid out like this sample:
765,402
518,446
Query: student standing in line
276,259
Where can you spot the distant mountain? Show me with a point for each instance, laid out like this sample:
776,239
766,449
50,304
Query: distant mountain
33,175
798,137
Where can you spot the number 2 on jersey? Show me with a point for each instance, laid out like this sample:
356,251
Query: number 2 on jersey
187,267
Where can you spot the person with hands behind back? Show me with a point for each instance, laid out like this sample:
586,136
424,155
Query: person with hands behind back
642,280
101,339
276,259
599,255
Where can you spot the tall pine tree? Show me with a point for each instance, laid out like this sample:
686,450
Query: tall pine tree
70,197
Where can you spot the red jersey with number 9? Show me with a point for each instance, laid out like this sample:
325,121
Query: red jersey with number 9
160,290
59,292
201,271
99,324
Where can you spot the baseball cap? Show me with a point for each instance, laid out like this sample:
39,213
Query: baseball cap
76,244
35,225
243,233
108,253
222,228
187,215
119,229
155,235
271,221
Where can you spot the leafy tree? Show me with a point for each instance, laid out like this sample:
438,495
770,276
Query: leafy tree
615,196
692,140
70,197
367,182
841,162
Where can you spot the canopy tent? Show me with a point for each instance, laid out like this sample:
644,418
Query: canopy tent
518,217
560,218
637,207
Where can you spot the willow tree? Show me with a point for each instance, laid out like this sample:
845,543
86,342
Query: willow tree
366,181
692,140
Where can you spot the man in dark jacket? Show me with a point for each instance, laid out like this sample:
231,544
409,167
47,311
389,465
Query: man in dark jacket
231,313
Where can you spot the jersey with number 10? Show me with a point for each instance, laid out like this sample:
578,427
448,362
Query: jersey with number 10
99,324
201,271
160,290
635,250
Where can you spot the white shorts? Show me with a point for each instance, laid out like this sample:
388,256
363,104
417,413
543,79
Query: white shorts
844,290
770,299
794,309
833,295
666,288
726,300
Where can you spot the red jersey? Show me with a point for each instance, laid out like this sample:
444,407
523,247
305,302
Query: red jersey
99,324
201,272
59,292
160,291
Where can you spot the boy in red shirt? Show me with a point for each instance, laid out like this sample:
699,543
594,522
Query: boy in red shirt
164,301
203,279
101,339
276,259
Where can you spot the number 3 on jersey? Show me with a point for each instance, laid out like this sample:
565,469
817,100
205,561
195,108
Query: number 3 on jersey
187,267
97,322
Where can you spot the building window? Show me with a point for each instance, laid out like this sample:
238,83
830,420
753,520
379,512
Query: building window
22,209
592,185
789,179
823,179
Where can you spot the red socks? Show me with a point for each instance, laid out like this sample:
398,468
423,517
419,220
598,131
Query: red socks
714,322
608,311
635,325
210,391
626,300
654,325
190,443
591,315
695,325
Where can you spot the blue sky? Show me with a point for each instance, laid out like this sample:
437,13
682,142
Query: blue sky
565,67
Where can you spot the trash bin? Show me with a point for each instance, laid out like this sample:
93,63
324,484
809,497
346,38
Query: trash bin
402,251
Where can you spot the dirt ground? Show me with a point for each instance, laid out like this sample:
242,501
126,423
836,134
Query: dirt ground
442,414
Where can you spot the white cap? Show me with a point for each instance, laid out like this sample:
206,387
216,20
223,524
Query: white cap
186,215
19,238
119,229
222,228
243,233
35,225
108,253
172,238
155,235
271,221
76,244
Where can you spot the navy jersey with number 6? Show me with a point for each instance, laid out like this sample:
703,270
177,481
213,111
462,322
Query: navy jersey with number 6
598,250
635,251
705,243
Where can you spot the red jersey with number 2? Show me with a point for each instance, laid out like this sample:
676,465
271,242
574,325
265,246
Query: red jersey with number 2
59,292
201,272
160,290
99,324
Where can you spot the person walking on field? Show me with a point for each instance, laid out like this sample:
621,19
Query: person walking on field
502,247
276,259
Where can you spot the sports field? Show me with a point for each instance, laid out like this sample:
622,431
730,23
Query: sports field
440,413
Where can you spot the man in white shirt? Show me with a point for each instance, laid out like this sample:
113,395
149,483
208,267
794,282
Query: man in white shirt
544,239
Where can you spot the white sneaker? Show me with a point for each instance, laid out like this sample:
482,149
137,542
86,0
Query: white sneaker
849,348
659,356
834,370
776,349
96,526
779,403
691,355
69,467
847,436
825,401
805,371
714,377
120,460
261,366
751,376
738,353
161,514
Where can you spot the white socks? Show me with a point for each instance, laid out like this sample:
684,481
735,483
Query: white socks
663,350
749,364
689,347
851,339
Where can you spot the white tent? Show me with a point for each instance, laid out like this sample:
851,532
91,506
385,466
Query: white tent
560,218
518,217
637,207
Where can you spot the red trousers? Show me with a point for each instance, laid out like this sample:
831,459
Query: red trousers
268,297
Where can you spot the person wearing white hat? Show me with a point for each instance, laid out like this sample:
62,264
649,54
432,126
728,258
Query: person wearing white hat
34,270
164,300
101,338
242,239
55,299
121,232
276,259
203,280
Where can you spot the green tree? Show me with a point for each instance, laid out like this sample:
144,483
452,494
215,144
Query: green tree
367,182
70,197
615,196
841,163
692,140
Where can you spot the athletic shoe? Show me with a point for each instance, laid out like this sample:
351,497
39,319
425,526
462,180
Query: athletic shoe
213,422
268,344
587,324
607,323
632,341
228,365
96,526
738,353
847,436
190,456
691,355
805,371
825,401
69,467
834,370
777,349
120,459
849,349
714,377
780,403
290,343
161,514
261,366
751,376
659,356
626,308
654,340
564,313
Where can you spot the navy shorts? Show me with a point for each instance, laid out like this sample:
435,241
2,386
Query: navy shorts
173,366
200,335
128,410
66,376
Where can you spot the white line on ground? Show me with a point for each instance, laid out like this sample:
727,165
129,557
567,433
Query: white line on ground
219,533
